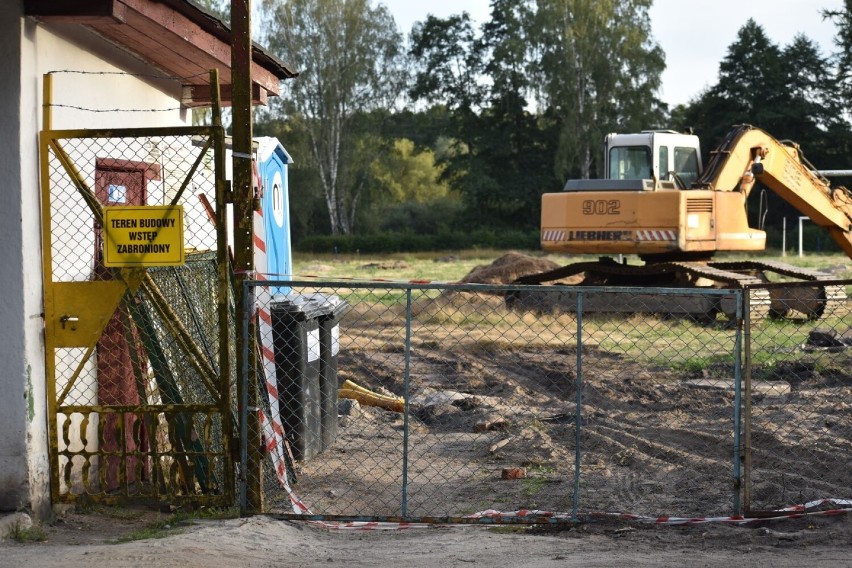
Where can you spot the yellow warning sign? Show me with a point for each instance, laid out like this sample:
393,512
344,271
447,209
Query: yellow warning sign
151,235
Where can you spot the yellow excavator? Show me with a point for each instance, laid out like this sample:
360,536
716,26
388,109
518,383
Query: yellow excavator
658,202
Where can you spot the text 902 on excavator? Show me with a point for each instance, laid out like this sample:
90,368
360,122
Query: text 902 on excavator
660,204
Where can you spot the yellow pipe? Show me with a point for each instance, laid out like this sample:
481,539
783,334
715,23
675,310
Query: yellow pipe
364,396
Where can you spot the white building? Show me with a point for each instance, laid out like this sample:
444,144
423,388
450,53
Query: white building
109,55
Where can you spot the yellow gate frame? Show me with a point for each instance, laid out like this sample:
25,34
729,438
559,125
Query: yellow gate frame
76,314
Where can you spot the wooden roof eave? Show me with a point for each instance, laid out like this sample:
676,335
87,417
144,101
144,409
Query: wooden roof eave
169,40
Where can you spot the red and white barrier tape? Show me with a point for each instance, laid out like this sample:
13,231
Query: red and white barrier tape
272,428
839,507
369,525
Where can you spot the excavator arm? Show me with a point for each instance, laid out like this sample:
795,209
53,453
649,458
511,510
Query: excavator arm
748,154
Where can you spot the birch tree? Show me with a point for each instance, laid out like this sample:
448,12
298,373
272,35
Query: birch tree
350,59
599,71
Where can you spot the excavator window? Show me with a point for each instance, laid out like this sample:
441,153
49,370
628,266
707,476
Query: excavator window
663,161
630,162
686,164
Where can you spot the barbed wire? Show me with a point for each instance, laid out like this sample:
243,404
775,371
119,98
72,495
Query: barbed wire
115,109
75,107
112,110
142,75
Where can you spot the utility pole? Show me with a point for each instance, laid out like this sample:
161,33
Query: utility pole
243,200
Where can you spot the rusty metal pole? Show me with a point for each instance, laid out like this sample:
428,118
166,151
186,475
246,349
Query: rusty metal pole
223,273
243,200
47,102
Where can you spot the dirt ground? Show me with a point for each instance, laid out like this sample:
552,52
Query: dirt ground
81,540
656,441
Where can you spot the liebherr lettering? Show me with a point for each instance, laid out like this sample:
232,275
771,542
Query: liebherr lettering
599,235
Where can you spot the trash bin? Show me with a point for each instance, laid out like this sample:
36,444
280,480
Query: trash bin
296,341
329,322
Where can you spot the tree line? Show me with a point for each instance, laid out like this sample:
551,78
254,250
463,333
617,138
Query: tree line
411,138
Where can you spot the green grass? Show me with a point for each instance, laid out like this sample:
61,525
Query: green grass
681,345
440,267
452,266
436,266
161,529
23,534
536,479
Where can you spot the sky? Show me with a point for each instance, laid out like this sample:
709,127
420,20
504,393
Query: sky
695,34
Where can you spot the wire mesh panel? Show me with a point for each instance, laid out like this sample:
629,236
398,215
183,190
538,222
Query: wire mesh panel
139,401
799,444
660,397
453,400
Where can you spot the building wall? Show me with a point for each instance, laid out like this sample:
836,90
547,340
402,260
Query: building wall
31,49
14,374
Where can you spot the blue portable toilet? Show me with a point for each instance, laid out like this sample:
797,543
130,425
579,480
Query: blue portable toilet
272,161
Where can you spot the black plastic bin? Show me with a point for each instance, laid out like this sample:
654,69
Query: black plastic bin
296,341
334,308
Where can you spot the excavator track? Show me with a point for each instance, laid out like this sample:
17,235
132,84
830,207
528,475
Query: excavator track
776,302
811,302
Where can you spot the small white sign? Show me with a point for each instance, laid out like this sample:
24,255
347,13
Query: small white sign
313,345
117,193
335,340
692,221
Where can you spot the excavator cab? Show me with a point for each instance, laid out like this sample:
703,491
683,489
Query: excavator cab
653,154
646,204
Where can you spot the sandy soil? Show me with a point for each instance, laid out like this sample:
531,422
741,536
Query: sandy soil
85,539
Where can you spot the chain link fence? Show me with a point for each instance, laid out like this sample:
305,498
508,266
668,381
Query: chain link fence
138,397
458,399
798,427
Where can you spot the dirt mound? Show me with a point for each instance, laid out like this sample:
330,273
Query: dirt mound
389,265
507,268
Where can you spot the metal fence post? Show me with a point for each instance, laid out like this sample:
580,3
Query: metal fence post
747,418
578,400
737,402
406,391
243,405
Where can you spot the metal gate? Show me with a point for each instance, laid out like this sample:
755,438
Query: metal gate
137,357
426,402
